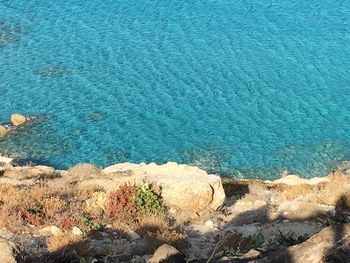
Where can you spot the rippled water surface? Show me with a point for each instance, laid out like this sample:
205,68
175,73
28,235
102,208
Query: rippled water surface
244,88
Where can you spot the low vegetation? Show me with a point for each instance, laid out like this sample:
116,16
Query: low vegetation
66,207
236,245
84,171
61,203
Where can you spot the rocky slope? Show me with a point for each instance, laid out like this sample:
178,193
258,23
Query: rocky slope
169,213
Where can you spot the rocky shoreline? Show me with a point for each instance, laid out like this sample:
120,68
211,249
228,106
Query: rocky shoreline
169,213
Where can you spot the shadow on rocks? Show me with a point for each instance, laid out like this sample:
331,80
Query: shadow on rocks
331,244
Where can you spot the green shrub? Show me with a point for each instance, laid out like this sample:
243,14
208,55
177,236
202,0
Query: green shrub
87,260
257,240
147,201
130,201
90,223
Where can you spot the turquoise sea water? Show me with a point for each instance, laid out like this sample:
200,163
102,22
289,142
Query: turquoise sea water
245,88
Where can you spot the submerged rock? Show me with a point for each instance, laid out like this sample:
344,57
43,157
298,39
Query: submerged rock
16,120
95,116
34,143
53,71
11,31
210,159
344,167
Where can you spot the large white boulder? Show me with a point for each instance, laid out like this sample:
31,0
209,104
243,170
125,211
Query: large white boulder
186,188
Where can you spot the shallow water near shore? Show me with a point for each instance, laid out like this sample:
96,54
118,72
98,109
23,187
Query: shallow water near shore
242,88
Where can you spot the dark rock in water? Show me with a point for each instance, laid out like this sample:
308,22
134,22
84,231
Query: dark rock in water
53,71
17,121
7,35
7,39
35,142
313,159
96,116
117,156
32,118
344,168
209,159
10,32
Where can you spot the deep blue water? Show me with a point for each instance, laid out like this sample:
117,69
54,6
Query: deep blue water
244,88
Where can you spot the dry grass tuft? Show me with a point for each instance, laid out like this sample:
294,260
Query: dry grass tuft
159,230
62,241
63,204
40,205
305,210
10,196
38,172
157,222
84,171
332,192
292,192
257,187
18,173
96,203
52,206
